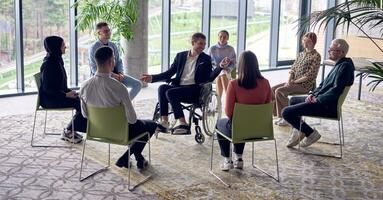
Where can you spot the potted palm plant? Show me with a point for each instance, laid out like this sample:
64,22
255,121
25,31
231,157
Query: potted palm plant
360,14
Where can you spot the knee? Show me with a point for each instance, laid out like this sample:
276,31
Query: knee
286,112
162,89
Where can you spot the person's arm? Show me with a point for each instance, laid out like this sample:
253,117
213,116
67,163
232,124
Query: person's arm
92,60
118,62
233,59
84,111
168,73
269,94
342,78
230,100
128,106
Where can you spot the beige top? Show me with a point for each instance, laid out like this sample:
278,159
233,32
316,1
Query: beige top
306,65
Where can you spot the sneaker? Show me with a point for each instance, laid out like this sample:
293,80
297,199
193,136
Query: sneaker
163,127
226,165
311,139
181,130
295,138
142,164
76,135
69,137
238,164
282,122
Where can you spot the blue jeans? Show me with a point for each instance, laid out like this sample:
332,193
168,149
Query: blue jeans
298,108
134,85
224,126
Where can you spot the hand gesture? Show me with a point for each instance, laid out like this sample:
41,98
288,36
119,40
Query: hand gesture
224,63
147,78
71,94
118,77
311,99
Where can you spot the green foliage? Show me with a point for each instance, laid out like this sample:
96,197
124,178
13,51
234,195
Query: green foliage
359,13
121,15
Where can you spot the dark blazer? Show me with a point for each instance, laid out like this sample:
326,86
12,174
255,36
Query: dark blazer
204,70
53,83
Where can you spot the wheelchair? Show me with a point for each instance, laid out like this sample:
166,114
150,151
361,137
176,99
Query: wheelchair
208,110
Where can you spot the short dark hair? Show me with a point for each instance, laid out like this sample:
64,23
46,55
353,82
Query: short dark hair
99,25
197,36
248,70
224,31
102,55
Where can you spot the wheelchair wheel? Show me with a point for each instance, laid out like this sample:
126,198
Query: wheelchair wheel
199,137
211,113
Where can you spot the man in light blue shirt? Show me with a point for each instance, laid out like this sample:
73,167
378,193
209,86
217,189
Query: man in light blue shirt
104,34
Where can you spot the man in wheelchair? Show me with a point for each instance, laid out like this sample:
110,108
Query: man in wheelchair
191,69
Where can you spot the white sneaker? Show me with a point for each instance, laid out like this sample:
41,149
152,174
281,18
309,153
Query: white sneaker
282,122
70,137
295,138
238,164
311,139
226,165
163,127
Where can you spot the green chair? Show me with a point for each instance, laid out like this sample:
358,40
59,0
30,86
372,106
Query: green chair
338,118
40,108
250,123
109,125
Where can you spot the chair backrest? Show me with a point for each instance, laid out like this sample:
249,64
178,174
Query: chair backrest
341,100
107,125
252,122
38,84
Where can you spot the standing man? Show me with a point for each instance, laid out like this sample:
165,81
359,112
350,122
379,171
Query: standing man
104,34
321,102
104,91
191,68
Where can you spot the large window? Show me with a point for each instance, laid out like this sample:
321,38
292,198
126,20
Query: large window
48,18
224,16
154,36
185,19
84,40
287,44
258,30
7,47
321,34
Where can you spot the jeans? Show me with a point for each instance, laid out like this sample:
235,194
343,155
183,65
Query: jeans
132,83
298,108
224,126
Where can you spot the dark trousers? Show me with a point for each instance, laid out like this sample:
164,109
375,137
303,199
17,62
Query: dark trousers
224,126
80,122
175,95
298,108
141,126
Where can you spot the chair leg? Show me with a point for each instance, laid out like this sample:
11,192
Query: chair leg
33,128
211,164
96,172
260,169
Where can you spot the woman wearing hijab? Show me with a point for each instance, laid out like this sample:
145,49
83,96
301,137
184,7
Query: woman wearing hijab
54,91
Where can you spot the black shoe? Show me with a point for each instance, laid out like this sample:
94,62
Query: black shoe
142,164
181,130
123,163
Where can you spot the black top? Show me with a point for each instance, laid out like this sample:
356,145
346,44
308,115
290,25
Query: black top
53,75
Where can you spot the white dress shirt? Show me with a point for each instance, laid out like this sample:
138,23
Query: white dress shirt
103,91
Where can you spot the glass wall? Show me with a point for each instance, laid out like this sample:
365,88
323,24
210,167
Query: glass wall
154,36
319,5
287,44
7,47
224,16
186,17
258,30
48,18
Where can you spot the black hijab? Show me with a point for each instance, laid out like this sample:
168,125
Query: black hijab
52,45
